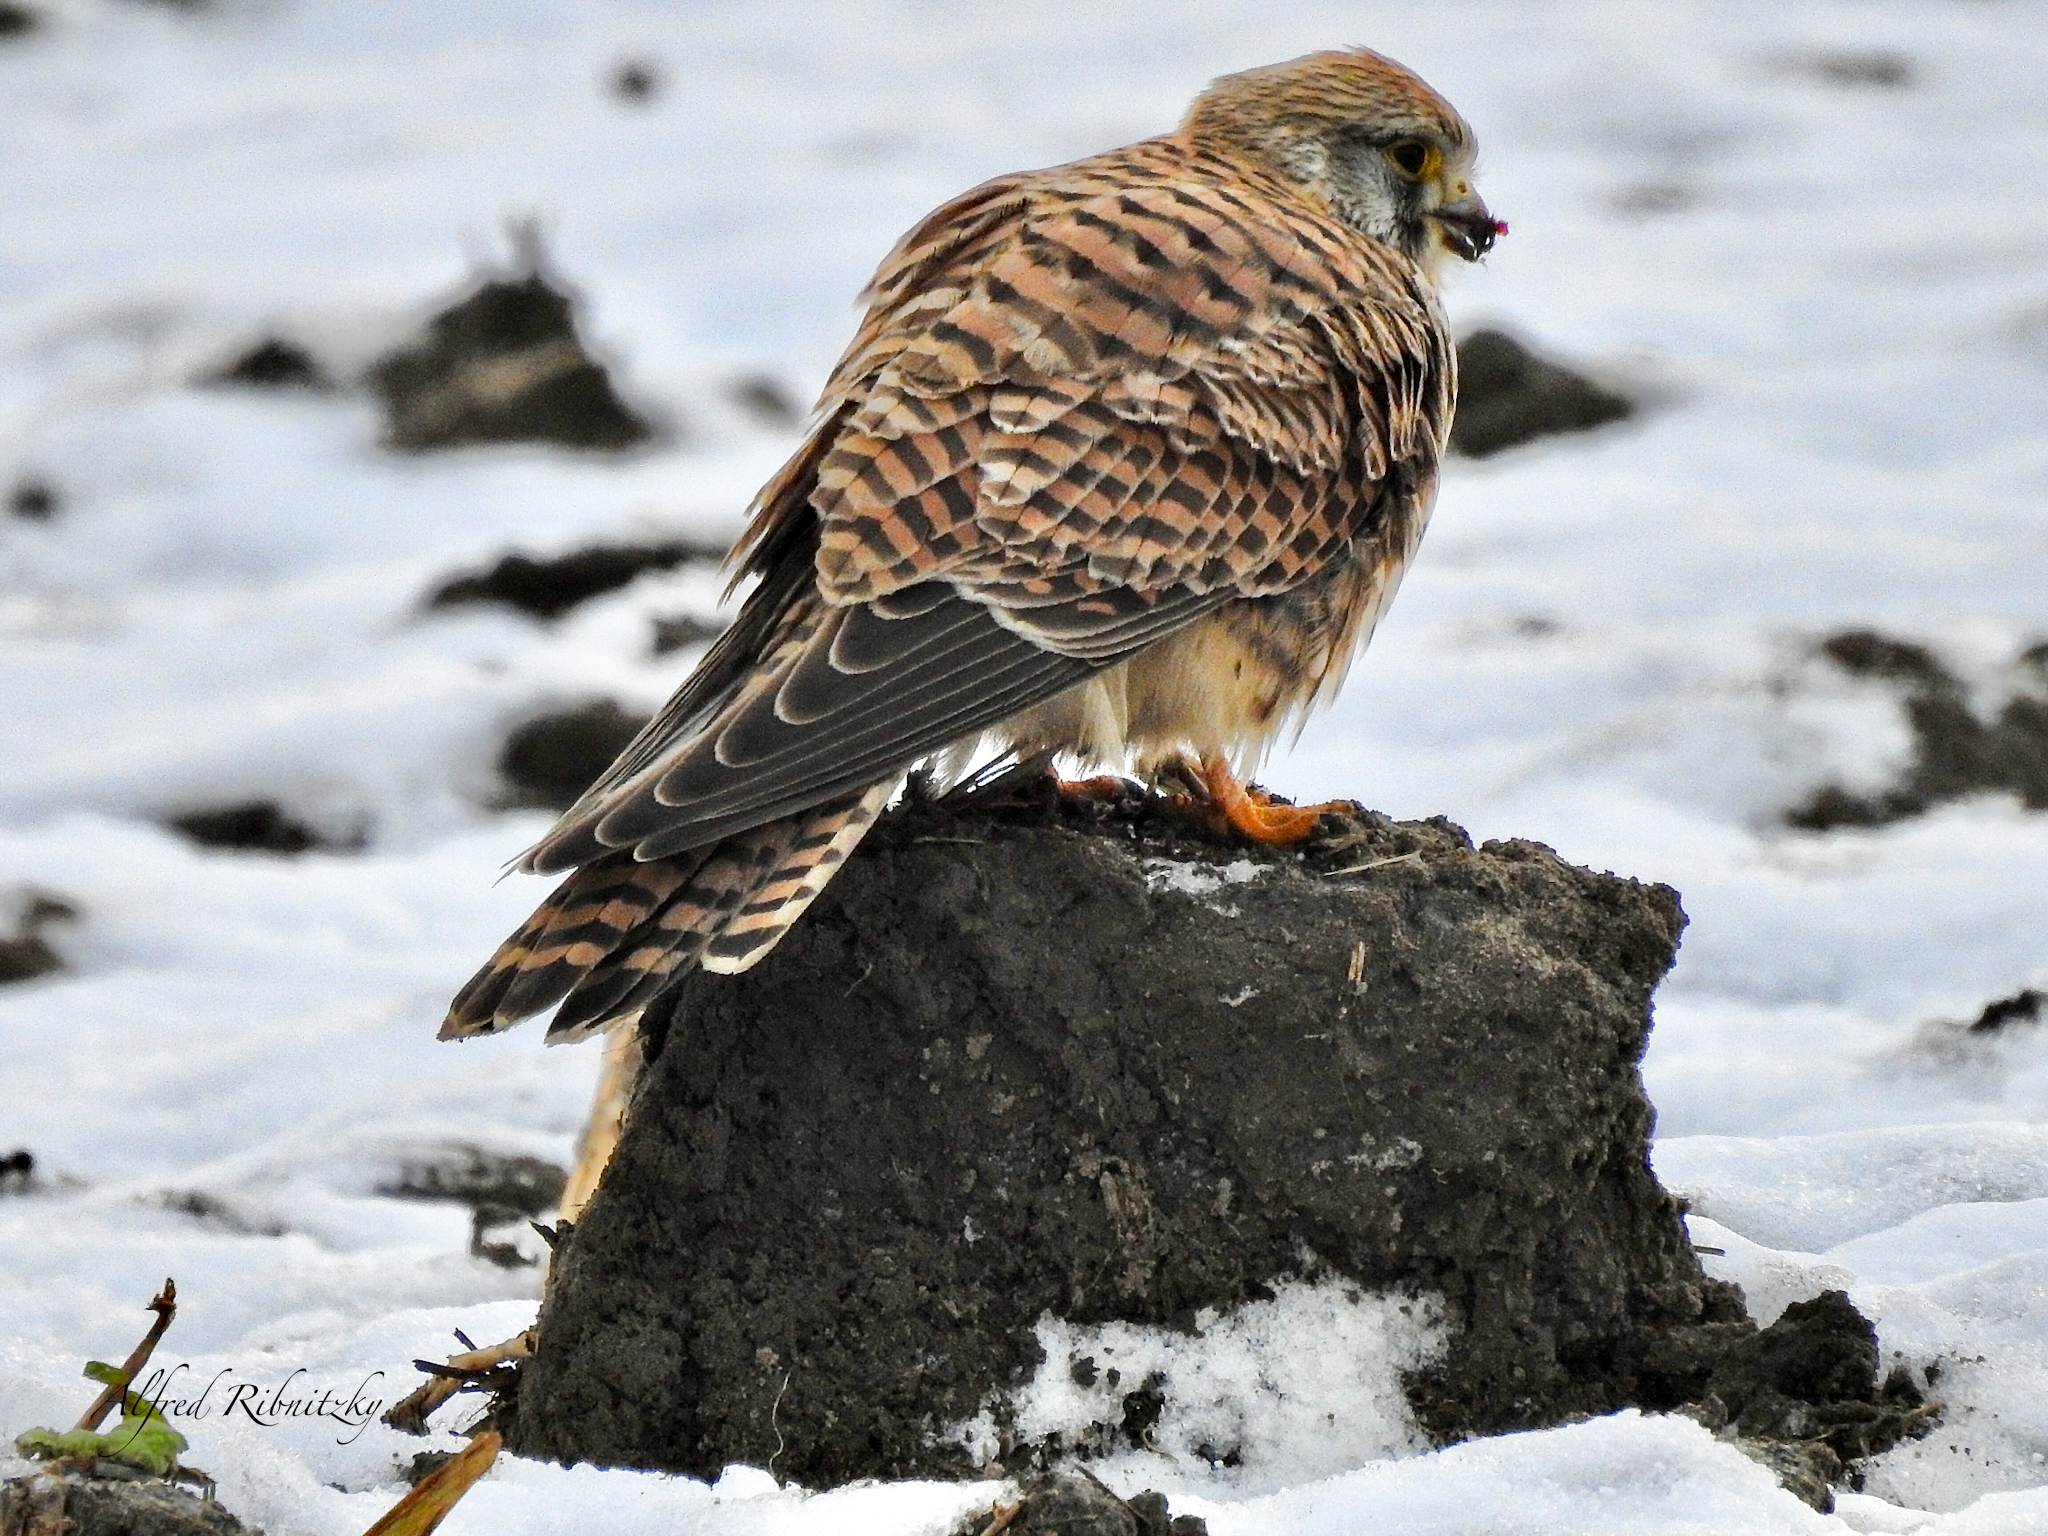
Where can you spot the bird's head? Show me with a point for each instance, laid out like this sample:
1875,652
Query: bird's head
1391,157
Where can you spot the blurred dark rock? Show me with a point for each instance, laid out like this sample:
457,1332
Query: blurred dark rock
479,1179
1507,395
490,1227
217,1213
64,1503
2025,1006
27,954
504,365
503,1193
637,81
764,399
34,499
273,363
548,587
17,20
254,826
1653,199
1006,1066
17,1170
1954,753
1866,68
550,761
681,630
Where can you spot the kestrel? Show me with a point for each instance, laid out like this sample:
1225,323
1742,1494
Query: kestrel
1124,462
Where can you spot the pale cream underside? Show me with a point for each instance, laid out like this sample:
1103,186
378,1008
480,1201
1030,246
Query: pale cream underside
1200,693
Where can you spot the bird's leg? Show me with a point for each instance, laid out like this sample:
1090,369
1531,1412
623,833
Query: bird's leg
1255,813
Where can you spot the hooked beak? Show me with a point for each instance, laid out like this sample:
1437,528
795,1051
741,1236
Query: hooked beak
1469,230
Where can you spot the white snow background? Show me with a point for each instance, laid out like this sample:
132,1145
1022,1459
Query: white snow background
1834,294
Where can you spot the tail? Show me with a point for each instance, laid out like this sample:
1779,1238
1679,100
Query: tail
615,933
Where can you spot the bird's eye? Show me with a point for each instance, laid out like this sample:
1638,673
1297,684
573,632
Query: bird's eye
1413,158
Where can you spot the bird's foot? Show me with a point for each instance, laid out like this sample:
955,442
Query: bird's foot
1253,812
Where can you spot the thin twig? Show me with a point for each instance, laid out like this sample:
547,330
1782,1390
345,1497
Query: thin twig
1002,1515
409,1414
1357,869
165,1306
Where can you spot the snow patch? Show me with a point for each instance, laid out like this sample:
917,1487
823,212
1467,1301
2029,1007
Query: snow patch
1256,1397
1193,879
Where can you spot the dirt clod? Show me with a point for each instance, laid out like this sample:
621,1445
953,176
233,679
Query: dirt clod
1803,1397
525,1186
1080,1058
27,954
34,499
17,1170
504,365
549,586
2025,1006
637,81
1954,752
273,363
548,762
1074,1503
254,826
424,1464
217,1213
1507,395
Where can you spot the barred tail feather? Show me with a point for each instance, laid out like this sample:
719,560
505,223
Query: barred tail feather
828,835
574,929
648,959
619,930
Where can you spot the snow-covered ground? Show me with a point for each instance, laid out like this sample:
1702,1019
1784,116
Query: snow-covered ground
1833,290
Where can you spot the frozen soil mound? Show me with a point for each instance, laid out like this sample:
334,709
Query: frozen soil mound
1035,1071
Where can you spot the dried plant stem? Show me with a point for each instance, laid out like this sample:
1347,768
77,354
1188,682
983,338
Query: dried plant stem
427,1505
615,1080
409,1414
165,1306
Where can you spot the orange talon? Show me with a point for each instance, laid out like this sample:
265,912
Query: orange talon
1254,813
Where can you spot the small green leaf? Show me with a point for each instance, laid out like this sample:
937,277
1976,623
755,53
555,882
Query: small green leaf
146,1441
105,1374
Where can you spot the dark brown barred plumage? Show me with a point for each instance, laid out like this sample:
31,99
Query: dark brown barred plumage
1125,459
